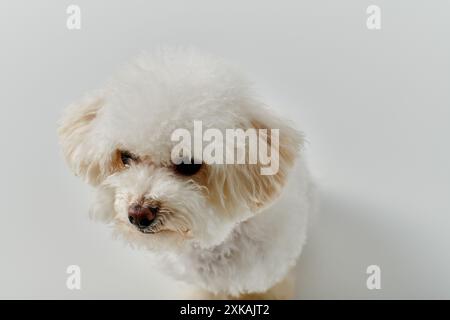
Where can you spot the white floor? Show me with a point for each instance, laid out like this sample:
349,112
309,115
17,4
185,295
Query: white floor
375,106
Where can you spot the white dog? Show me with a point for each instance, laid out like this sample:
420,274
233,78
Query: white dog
226,228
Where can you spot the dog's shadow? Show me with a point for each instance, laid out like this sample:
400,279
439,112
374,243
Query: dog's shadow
344,239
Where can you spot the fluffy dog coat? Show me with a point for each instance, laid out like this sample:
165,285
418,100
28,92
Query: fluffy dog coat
227,229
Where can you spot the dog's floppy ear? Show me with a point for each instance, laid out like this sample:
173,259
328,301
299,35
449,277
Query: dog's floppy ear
262,182
255,185
79,141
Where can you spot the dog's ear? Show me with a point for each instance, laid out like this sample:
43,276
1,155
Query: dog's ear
257,185
263,182
80,143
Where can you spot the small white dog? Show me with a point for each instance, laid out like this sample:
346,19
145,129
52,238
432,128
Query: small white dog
226,228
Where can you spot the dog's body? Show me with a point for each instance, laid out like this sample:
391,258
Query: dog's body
226,228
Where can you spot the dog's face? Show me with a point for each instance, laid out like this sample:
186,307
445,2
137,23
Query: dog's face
120,140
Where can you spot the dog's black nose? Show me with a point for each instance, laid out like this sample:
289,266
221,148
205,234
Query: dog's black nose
142,216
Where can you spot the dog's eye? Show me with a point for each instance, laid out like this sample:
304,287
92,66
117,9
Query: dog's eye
188,169
126,158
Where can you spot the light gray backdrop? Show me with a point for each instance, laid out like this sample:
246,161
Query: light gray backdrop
375,106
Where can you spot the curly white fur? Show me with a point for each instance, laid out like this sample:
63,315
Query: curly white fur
227,229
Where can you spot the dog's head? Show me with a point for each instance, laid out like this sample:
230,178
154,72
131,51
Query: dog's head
121,140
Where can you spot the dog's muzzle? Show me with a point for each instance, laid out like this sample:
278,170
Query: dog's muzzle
142,216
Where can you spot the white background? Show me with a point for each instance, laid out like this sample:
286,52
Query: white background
375,106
